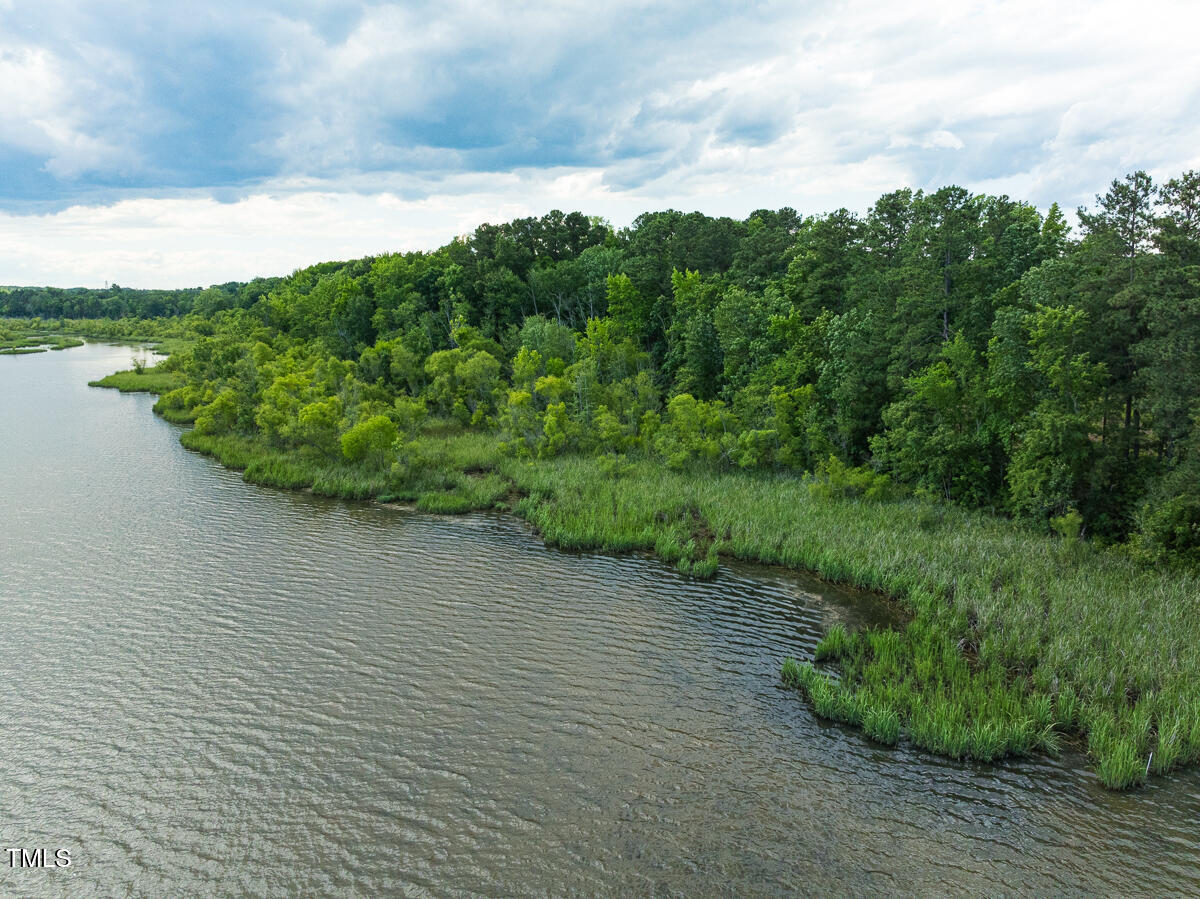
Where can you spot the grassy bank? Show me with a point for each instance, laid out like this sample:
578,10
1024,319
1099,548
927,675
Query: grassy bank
149,380
1017,640
17,345
162,345
449,474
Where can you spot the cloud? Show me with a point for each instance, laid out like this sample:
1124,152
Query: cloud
50,108
195,240
463,105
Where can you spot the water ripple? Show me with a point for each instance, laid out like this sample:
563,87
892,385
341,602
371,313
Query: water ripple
213,688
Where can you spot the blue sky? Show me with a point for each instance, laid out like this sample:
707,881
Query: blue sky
157,145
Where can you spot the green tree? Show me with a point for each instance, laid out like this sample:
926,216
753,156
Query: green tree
940,434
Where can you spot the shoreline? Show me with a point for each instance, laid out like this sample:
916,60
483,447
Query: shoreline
989,664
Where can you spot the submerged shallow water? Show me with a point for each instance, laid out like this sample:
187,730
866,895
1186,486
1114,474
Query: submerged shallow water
212,688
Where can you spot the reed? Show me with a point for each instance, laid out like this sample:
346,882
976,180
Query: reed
1015,635
21,350
21,342
834,644
1016,639
882,724
150,380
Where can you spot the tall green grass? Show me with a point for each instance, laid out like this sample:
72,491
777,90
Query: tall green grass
23,342
1016,642
21,350
270,467
150,380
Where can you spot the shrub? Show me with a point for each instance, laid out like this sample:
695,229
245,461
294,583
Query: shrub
834,478
370,441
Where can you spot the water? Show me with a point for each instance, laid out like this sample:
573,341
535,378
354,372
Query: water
210,688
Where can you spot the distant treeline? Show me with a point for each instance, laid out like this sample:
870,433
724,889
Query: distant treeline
124,302
959,345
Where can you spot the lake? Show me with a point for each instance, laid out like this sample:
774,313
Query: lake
211,688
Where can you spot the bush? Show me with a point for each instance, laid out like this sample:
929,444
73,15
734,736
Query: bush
370,441
216,417
1170,531
1068,526
834,478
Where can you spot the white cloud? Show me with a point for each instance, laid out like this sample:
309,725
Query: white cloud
399,126
190,241
196,241
40,110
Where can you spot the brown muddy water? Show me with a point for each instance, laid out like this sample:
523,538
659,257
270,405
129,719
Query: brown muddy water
210,688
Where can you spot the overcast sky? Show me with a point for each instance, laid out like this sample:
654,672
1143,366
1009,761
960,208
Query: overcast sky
159,145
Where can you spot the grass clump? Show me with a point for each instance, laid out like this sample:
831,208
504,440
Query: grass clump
882,724
21,341
830,699
794,673
701,569
834,644
917,681
153,379
1118,764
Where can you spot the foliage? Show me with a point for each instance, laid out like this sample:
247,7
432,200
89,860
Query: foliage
370,441
833,478
148,380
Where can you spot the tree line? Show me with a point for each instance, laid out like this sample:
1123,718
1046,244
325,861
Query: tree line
957,345
116,302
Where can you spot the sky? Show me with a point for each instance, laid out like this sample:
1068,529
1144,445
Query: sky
162,145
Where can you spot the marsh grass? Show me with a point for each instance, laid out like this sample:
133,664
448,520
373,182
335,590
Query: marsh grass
1016,640
150,380
442,490
468,494
174,415
882,724
271,467
834,644
22,343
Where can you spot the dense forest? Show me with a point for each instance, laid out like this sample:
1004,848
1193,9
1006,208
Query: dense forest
965,347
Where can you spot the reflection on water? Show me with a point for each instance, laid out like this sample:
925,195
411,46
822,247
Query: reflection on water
218,689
